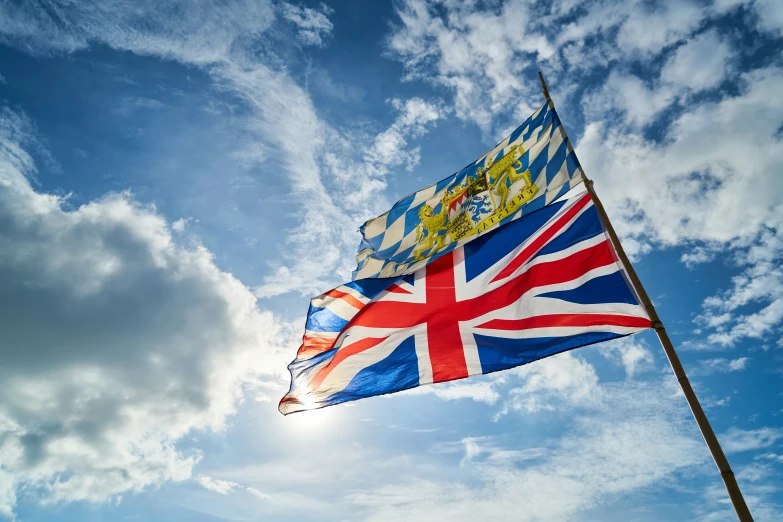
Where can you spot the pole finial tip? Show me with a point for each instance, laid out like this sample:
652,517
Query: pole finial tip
543,86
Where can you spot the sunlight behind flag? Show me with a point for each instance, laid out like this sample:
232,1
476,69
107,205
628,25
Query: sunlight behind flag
538,286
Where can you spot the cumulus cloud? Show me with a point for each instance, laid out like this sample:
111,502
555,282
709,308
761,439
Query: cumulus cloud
706,179
153,340
446,43
637,101
650,27
632,353
118,340
708,182
699,64
550,381
455,51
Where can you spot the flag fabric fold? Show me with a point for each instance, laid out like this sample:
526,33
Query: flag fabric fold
531,168
541,285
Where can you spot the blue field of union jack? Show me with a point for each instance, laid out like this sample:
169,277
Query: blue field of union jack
546,283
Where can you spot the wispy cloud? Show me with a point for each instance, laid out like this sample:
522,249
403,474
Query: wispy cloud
129,104
632,352
485,390
720,365
257,493
488,450
629,440
313,24
737,440
352,194
223,487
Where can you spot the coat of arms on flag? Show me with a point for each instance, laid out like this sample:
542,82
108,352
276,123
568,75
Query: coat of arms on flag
538,286
528,170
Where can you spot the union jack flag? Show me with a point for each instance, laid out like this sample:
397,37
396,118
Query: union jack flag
546,283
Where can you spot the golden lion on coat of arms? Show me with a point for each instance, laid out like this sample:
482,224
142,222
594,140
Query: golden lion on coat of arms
495,179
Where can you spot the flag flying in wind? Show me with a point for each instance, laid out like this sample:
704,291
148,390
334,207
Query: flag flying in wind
528,170
538,286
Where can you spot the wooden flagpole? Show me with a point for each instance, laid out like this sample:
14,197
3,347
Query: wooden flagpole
726,474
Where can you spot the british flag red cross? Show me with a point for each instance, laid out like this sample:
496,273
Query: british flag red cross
543,284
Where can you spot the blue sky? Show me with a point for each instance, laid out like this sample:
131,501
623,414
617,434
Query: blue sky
178,178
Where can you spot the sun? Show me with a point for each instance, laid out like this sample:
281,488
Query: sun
307,420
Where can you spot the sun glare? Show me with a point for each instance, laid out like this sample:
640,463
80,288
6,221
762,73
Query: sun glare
311,419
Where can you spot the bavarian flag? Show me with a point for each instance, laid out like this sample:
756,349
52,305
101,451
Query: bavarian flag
528,170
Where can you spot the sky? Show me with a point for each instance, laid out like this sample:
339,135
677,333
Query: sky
178,178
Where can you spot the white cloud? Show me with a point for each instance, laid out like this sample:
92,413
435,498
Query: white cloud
179,225
389,148
483,390
650,28
562,377
758,488
259,494
709,181
354,190
770,15
631,438
118,340
639,102
454,51
183,336
446,43
7,494
314,25
760,283
774,457
699,64
633,353
736,440
222,39
223,487
487,449
199,32
711,366
698,255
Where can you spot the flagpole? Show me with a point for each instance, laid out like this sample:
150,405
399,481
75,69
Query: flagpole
737,500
